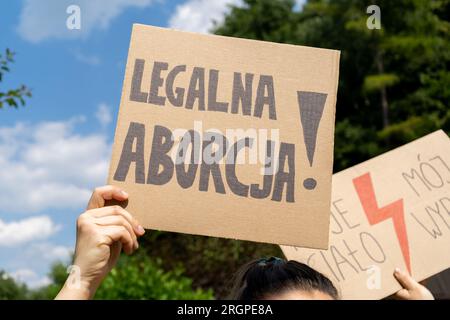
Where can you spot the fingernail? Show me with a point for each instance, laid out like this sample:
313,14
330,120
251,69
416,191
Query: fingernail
397,270
140,229
124,193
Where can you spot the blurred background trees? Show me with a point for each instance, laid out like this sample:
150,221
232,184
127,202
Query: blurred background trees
134,277
10,289
394,81
394,87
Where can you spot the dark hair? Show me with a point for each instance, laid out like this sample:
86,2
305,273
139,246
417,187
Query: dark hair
261,278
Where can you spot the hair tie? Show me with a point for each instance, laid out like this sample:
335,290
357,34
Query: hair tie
273,260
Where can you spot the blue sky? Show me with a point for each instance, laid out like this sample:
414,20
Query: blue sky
56,149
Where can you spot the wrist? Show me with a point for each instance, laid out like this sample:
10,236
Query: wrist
77,287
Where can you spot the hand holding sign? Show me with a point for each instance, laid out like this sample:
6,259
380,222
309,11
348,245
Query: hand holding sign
411,289
102,232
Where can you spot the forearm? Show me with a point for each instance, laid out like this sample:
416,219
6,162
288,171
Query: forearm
74,289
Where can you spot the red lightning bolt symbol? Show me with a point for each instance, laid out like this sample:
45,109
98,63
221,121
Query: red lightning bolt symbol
364,188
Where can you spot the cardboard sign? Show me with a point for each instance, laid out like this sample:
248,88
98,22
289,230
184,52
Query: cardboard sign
227,137
391,211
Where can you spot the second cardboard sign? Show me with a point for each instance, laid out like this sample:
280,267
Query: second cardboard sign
391,211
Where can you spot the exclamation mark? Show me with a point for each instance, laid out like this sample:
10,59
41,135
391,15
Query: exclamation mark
311,105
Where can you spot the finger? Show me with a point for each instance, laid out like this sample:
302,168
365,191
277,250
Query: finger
118,221
402,294
405,280
116,249
119,233
101,194
117,210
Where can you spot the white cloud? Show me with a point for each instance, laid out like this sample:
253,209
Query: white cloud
45,19
49,252
31,278
103,114
45,167
48,165
199,15
30,262
22,231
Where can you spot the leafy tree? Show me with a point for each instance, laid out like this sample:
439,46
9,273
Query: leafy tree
10,289
140,277
11,97
261,20
134,277
393,85
210,262
57,275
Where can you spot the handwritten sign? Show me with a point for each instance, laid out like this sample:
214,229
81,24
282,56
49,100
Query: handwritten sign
227,137
391,211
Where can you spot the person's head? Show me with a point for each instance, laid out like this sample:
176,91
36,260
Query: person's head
275,278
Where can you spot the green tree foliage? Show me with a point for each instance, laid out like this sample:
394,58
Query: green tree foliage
394,81
11,97
210,262
10,289
139,277
57,275
134,277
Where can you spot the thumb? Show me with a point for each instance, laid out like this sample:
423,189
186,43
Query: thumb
405,280
105,193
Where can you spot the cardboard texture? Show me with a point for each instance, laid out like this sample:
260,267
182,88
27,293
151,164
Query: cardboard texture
391,211
183,81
